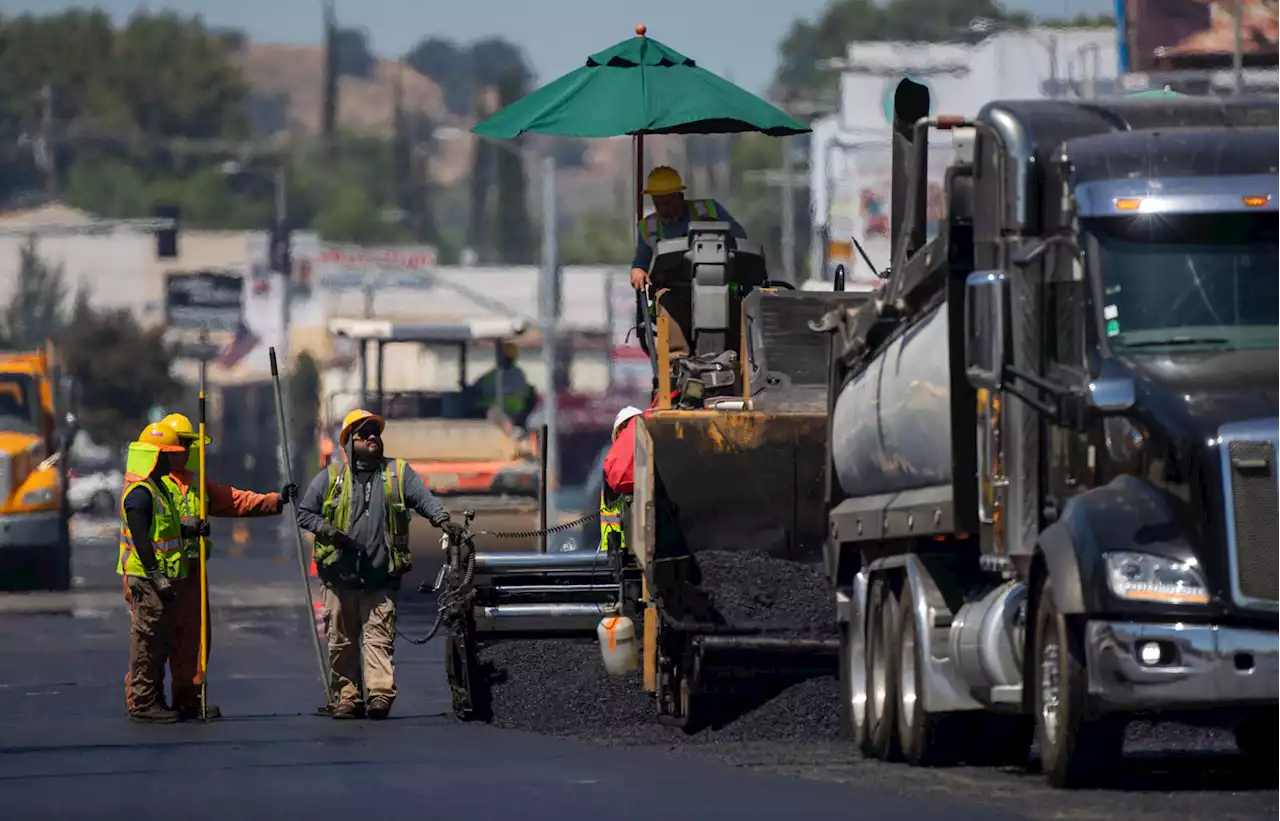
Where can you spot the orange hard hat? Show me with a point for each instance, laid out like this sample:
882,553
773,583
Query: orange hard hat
351,420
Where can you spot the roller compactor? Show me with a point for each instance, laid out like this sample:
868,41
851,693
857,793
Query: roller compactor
1052,487
728,472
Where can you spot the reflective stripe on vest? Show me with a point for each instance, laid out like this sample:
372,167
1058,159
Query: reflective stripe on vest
189,514
166,536
611,522
337,512
651,225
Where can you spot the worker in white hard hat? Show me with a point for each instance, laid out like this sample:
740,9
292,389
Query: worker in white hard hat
619,480
672,213
518,396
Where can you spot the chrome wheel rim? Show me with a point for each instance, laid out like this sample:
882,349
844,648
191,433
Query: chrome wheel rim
879,674
1050,676
857,674
907,682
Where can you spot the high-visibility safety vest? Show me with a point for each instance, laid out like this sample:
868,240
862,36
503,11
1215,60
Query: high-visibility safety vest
188,503
611,505
513,402
166,536
651,225
337,512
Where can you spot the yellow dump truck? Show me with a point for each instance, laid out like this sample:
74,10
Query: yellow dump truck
35,549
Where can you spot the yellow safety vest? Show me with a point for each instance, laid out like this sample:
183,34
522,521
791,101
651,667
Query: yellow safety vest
337,512
166,536
611,518
651,225
189,514
487,390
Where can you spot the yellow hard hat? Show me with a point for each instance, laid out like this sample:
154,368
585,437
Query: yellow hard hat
355,418
182,425
509,349
662,181
161,437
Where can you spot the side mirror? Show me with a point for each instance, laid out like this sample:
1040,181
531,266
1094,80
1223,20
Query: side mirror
986,297
1112,395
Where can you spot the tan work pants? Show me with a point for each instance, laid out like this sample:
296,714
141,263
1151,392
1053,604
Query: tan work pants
678,308
353,618
150,642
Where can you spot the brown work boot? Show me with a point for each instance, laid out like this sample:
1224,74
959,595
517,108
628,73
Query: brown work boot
191,712
379,707
348,710
154,715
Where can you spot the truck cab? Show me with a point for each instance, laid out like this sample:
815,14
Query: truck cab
1093,535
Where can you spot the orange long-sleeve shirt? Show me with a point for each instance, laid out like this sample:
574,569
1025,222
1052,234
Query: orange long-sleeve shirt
232,502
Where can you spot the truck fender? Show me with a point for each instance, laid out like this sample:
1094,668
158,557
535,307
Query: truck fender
1124,514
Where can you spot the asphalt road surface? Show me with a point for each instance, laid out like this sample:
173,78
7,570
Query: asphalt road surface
67,749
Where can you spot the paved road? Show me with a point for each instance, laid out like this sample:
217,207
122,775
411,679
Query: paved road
66,747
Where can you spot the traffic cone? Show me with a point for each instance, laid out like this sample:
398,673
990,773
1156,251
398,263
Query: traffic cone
312,571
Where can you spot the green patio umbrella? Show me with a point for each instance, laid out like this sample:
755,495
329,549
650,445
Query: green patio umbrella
1153,94
638,86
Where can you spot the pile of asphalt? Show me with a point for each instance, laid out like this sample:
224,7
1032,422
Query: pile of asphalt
559,687
752,588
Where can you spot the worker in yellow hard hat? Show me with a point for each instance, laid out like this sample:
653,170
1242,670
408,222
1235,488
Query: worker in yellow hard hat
222,501
361,558
518,396
152,560
670,218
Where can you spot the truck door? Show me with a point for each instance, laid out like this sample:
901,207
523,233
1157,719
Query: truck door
1069,463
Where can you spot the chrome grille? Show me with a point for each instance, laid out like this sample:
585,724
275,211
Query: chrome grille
1251,488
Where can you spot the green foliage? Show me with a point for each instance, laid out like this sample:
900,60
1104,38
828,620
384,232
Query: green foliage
36,311
599,238
304,415
511,232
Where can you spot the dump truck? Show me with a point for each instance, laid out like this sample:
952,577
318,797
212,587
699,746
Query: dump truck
35,543
728,500
1052,481
470,458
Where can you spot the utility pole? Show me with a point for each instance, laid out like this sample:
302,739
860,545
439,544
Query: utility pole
550,293
1237,58
45,153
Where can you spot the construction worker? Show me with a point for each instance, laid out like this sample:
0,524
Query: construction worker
358,509
224,502
670,218
518,396
152,559
619,480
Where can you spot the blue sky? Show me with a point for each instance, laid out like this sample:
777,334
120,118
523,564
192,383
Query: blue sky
735,38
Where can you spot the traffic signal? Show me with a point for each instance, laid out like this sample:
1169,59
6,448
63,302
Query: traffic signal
167,238
280,255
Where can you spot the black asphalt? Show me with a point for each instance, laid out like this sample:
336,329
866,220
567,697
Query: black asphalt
67,749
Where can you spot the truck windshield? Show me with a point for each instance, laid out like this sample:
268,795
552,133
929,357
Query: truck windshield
18,401
1187,280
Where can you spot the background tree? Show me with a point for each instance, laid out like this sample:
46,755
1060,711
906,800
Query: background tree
511,230
36,311
304,415
120,369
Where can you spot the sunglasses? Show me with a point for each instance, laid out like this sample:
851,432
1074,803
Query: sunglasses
367,432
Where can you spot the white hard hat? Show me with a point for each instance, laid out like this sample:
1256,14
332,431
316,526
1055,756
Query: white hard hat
629,412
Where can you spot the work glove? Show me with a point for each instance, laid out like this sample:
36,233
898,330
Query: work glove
455,530
164,589
200,528
340,540
288,493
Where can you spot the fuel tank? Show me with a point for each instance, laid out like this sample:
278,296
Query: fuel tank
891,427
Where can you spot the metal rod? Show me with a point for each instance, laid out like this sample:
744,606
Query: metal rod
382,406
1237,57
556,610
542,489
500,563
550,312
204,576
292,513
550,589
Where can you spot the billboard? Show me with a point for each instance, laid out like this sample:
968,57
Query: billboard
1162,35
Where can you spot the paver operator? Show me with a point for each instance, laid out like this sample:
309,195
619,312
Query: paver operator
507,377
670,218
152,559
358,509
223,502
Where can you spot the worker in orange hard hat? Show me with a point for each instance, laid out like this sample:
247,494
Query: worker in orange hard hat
152,561
223,501
672,213
361,558
518,396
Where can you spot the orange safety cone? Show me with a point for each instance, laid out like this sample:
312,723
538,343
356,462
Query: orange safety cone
312,571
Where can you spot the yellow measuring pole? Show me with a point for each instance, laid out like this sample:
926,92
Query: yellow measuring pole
204,578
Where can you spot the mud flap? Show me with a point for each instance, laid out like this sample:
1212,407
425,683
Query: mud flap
731,481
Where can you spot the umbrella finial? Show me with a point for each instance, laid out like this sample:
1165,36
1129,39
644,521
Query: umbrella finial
641,29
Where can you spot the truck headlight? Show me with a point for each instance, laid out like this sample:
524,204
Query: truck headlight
1145,577
39,496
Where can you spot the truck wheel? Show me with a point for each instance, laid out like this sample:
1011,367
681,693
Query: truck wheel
882,673
925,737
853,682
1074,746
1256,740
102,504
